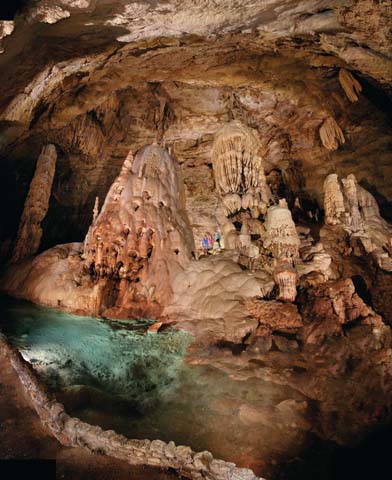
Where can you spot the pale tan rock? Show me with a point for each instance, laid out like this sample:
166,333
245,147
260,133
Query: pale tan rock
6,28
285,277
238,167
281,235
232,203
333,200
36,205
354,223
331,134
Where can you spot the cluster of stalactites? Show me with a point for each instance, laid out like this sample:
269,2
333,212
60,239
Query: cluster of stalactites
281,235
331,134
36,205
350,85
238,169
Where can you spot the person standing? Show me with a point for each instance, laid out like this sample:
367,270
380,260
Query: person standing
205,244
210,241
217,238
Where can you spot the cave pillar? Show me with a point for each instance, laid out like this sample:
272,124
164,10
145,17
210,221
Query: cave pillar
36,205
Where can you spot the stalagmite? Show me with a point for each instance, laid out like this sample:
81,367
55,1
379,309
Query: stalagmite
285,277
282,237
350,85
331,134
333,200
351,194
141,234
367,204
96,209
358,212
36,205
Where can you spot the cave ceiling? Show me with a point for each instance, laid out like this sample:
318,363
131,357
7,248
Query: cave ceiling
100,78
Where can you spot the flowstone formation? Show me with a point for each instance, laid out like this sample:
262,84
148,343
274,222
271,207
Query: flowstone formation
135,246
141,236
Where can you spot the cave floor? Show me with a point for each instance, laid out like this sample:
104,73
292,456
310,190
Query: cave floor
22,436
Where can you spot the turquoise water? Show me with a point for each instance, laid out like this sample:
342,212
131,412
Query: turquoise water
116,358
116,375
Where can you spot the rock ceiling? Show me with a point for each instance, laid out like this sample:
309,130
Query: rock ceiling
99,78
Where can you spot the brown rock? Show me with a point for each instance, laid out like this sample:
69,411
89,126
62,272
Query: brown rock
275,315
327,307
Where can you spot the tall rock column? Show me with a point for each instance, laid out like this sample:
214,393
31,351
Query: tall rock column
36,205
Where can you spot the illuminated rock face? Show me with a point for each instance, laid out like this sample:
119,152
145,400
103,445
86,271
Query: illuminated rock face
355,210
36,205
282,237
141,236
238,166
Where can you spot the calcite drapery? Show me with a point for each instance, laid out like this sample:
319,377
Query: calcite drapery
238,167
36,205
282,237
285,277
141,236
333,200
331,134
283,242
350,85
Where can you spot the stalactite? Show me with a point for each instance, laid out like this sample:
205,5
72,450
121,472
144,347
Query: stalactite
232,203
238,166
333,200
331,134
36,205
285,277
350,85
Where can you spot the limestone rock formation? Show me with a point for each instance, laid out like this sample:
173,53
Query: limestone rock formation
350,85
333,200
276,316
282,241
331,306
331,134
285,277
356,211
249,101
141,236
281,236
238,167
36,205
